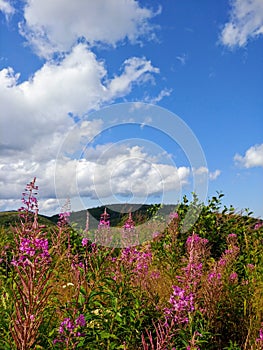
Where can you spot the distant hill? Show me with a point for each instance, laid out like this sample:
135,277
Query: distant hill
8,218
118,214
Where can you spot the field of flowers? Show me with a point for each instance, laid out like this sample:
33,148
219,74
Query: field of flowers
61,288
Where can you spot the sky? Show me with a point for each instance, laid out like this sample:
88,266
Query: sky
131,101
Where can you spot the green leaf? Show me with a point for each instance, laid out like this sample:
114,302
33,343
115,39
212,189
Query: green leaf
106,335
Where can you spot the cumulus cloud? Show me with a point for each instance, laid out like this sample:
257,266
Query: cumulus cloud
37,115
106,171
6,8
252,158
112,169
40,106
246,22
53,26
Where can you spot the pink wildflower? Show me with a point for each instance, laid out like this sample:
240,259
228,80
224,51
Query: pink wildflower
84,242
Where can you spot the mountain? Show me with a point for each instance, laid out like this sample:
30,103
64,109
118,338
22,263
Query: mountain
118,214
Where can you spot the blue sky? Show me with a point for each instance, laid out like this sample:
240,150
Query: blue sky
76,82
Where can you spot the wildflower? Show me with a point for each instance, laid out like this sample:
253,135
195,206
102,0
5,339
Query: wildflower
36,248
63,218
192,272
173,215
104,220
70,329
214,275
29,200
196,246
155,274
232,235
26,247
64,214
84,242
232,240
258,225
31,265
129,223
66,324
75,265
155,234
80,321
233,277
182,302
222,262
81,265
251,267
260,339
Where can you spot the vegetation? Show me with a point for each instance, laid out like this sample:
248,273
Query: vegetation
201,289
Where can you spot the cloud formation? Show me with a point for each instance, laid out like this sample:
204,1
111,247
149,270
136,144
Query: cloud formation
40,107
252,158
40,113
37,114
113,169
54,26
246,22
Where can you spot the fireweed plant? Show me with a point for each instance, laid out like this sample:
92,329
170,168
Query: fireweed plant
62,288
31,280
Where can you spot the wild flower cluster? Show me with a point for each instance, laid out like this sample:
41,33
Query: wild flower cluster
36,248
182,303
70,329
200,290
137,261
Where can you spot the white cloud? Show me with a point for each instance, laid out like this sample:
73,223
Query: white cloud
10,204
203,172
54,26
246,22
163,93
134,70
37,115
49,205
35,118
252,158
77,84
6,8
214,175
119,169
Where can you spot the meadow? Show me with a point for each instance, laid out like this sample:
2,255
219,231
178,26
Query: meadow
67,288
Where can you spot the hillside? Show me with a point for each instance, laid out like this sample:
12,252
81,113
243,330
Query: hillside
8,218
118,214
